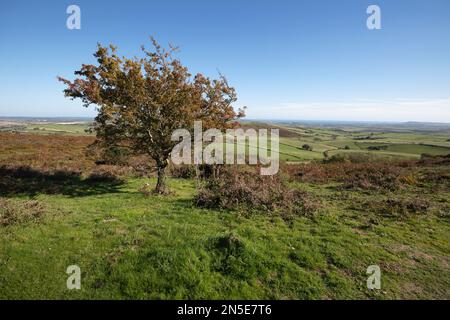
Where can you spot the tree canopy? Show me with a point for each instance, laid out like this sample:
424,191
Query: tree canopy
141,101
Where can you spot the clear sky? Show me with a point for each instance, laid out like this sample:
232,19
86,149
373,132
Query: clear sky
311,60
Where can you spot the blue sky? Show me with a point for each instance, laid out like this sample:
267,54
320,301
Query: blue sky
313,60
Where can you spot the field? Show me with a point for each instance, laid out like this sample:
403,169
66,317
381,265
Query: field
406,143
381,202
40,127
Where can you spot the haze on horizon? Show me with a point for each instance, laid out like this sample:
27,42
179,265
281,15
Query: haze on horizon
288,60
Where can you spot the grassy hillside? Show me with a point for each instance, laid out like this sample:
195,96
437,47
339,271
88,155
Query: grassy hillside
59,208
133,246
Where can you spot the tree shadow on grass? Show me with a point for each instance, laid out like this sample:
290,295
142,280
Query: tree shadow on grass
24,180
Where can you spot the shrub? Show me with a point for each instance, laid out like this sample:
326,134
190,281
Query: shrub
189,171
377,148
439,176
247,192
142,166
369,175
426,159
114,155
14,212
351,158
373,177
398,207
184,171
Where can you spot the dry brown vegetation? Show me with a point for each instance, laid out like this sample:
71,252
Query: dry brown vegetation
17,212
246,190
395,207
31,164
40,152
73,155
380,175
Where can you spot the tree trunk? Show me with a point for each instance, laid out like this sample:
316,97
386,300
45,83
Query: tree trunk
197,176
161,187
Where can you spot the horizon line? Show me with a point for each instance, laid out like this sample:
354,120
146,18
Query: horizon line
249,119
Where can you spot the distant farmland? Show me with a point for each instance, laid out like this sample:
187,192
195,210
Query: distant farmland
382,141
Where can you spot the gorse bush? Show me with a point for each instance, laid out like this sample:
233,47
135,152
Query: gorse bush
248,192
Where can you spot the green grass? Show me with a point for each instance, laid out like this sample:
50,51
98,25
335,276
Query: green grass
75,128
411,148
50,128
133,246
419,149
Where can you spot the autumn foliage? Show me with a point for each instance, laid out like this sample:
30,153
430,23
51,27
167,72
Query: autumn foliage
141,101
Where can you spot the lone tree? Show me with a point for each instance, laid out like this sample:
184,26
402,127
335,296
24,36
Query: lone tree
141,101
